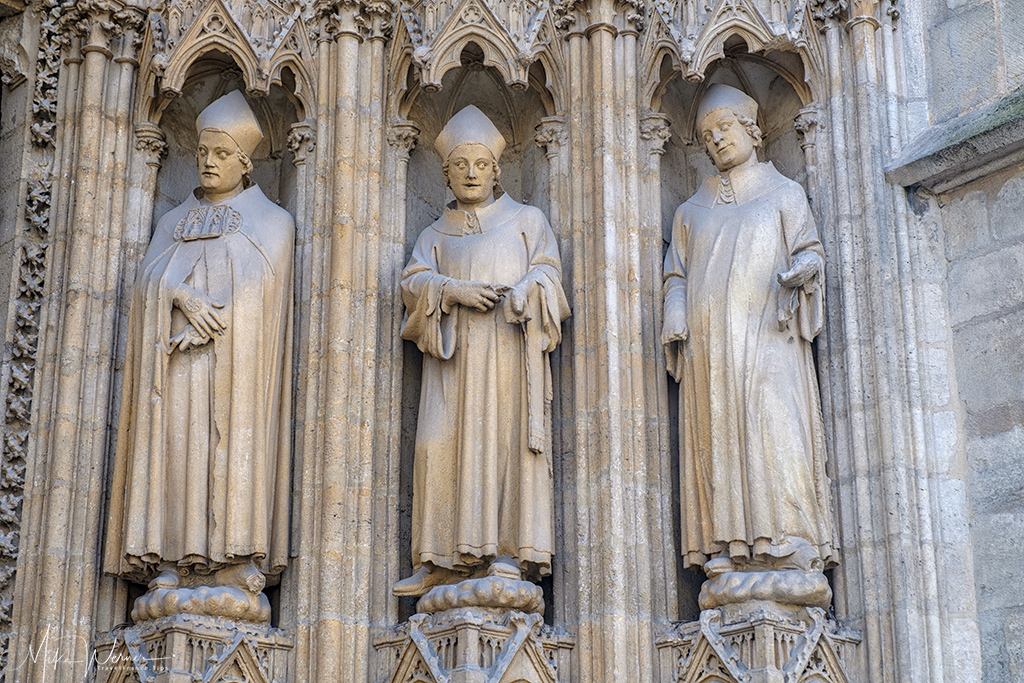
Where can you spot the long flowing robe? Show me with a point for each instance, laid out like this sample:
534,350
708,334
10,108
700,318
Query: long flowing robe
201,474
752,448
482,483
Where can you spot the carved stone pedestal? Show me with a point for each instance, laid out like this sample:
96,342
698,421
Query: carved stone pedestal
456,639
757,642
187,648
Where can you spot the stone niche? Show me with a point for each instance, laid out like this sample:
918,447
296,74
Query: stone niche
182,648
524,175
440,640
757,639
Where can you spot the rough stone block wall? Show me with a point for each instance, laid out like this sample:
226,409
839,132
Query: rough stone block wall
984,241
975,54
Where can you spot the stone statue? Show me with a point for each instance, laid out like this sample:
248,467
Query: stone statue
743,300
484,303
201,480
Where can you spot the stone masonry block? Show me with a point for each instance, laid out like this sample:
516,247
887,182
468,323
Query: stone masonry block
965,222
986,284
1007,214
945,432
1013,628
998,561
963,56
990,362
997,472
1011,13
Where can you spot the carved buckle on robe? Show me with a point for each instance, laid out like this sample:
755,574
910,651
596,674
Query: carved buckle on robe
207,222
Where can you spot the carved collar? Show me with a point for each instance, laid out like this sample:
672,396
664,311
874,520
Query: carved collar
459,223
738,186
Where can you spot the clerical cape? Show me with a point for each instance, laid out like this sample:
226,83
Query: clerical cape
482,477
752,461
201,473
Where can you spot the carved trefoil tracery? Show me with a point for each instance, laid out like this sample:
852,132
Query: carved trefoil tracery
197,648
264,37
696,32
511,35
485,645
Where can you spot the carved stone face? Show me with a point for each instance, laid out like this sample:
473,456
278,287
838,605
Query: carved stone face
471,173
726,139
220,167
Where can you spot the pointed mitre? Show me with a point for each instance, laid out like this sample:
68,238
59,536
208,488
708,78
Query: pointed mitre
231,114
469,125
721,96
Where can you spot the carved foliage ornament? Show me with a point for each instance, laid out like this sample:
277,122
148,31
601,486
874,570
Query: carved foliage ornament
569,13
826,10
24,338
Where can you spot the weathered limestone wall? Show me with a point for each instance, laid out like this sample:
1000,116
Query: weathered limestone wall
974,53
12,139
984,243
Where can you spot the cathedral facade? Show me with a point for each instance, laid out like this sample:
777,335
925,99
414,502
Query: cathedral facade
903,123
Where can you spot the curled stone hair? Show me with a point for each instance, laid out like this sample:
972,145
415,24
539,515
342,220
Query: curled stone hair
247,165
749,125
752,129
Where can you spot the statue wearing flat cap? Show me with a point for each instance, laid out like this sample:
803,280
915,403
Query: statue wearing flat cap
200,494
484,303
744,298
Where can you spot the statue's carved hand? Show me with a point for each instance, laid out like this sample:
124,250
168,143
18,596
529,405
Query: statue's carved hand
478,295
199,310
674,329
517,309
188,338
803,271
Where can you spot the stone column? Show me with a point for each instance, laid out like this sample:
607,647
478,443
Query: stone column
402,138
336,581
900,510
302,590
807,123
616,577
552,134
342,628
77,344
654,133
302,141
